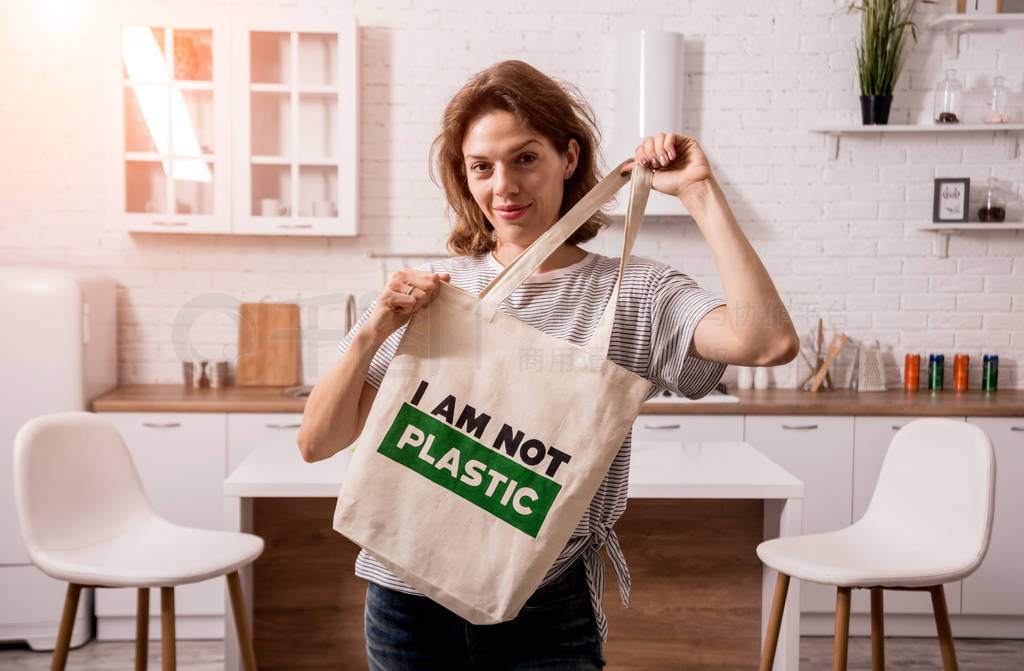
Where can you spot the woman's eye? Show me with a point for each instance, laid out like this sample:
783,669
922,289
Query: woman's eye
478,167
527,158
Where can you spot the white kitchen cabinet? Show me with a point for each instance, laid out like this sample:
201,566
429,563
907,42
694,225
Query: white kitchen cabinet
180,458
249,430
819,451
997,587
296,125
872,436
679,428
169,76
234,121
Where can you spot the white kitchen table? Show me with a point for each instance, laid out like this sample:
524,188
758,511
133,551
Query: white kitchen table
691,470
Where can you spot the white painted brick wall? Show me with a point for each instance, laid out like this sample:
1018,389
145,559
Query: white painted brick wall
839,236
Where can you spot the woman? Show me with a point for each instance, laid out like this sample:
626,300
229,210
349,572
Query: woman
516,151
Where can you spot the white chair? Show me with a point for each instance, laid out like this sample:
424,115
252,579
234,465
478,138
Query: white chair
928,523
85,519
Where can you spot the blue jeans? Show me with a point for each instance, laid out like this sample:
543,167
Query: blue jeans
555,630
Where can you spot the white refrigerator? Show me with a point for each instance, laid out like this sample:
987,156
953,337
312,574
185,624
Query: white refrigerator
58,351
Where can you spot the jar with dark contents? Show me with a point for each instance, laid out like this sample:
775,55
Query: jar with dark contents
949,95
993,206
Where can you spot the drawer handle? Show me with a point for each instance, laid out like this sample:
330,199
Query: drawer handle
1017,428
170,223
896,427
295,225
168,425
283,426
799,427
662,426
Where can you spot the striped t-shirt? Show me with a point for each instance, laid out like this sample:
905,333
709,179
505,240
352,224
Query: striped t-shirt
655,318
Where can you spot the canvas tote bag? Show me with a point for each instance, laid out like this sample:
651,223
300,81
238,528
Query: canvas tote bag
488,438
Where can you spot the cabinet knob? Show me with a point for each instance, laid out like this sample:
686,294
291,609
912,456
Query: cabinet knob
1017,428
166,425
896,427
799,427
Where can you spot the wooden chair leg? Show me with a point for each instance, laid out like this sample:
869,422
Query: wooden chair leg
771,636
943,627
842,635
877,631
167,641
241,622
142,629
67,623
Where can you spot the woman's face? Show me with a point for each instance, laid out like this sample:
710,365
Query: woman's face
515,175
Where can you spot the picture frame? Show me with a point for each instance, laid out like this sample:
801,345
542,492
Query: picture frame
951,201
979,6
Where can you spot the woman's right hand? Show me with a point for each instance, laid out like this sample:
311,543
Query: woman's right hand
407,291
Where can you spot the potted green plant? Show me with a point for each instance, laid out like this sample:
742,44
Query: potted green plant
881,52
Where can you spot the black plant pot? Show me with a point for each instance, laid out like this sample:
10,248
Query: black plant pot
874,110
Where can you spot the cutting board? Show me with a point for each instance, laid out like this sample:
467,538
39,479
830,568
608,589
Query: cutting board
268,344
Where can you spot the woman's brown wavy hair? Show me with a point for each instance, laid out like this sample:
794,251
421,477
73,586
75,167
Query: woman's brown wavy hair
555,110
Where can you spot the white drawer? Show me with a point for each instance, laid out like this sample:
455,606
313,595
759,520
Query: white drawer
872,436
249,430
180,460
819,451
679,428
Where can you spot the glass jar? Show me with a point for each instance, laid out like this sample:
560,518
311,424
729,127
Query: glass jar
949,95
998,107
993,205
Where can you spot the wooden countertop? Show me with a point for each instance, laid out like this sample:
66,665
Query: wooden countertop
178,398
1004,403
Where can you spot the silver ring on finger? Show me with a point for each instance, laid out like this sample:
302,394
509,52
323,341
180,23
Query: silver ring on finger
409,292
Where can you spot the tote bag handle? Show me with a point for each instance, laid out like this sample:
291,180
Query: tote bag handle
515,273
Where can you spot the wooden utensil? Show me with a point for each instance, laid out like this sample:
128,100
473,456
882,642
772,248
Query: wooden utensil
268,344
821,335
821,342
834,347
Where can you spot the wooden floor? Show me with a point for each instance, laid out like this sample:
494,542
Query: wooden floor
815,654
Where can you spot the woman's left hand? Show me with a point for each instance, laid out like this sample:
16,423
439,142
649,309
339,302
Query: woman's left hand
677,160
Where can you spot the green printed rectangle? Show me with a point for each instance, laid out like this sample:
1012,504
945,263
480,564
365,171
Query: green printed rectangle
479,474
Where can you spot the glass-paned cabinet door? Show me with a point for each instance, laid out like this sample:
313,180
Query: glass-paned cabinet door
173,129
296,131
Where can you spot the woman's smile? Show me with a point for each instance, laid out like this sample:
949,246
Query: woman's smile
511,212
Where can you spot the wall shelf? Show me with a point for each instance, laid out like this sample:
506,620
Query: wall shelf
969,226
922,128
832,133
976,21
954,25
940,247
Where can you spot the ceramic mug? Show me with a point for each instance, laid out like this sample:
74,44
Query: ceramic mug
323,208
272,207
